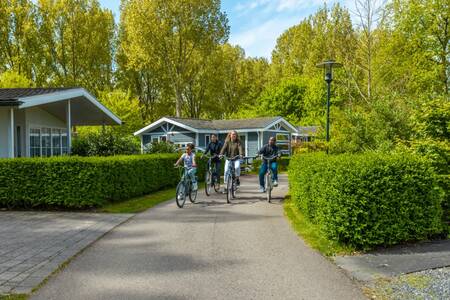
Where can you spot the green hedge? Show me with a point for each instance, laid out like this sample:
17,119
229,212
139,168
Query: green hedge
82,182
370,199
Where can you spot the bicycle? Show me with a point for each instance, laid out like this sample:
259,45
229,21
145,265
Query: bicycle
268,182
231,179
184,188
211,177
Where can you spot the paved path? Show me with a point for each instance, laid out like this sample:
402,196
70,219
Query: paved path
210,250
397,260
34,244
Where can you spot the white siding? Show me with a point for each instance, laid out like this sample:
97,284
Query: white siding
4,131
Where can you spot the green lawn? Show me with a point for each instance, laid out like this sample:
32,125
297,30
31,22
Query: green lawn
139,204
311,233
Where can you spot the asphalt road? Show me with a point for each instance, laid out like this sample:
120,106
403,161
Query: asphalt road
210,250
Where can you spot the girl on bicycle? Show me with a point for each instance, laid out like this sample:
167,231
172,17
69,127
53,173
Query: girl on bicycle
189,162
230,149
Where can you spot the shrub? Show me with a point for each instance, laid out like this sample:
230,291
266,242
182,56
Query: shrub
104,143
82,182
160,147
369,199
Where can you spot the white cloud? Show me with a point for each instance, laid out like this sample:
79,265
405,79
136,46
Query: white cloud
261,40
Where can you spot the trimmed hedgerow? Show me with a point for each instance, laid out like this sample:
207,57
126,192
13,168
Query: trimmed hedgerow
82,182
370,199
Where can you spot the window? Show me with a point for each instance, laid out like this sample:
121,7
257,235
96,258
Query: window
48,142
207,140
56,142
35,142
283,142
282,137
64,142
155,139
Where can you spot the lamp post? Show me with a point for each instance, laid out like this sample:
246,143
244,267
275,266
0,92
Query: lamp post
328,70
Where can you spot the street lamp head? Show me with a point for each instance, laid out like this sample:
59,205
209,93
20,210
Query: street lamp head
328,66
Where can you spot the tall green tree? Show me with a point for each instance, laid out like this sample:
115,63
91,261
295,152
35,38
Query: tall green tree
77,40
19,44
168,36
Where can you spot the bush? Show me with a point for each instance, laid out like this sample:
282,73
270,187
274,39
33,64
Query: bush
82,182
104,143
369,199
160,147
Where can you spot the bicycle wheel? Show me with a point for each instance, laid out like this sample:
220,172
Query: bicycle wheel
181,194
229,189
269,186
192,194
208,179
234,189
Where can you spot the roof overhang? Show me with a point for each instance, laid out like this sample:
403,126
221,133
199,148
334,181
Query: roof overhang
10,103
281,120
86,109
161,121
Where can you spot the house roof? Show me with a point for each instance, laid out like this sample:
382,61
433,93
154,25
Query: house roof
253,123
85,108
16,93
201,125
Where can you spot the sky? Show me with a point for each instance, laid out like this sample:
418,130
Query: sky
256,24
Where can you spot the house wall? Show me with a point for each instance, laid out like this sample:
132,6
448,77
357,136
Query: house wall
253,146
4,131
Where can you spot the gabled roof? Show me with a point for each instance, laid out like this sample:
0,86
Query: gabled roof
17,93
200,125
30,97
253,123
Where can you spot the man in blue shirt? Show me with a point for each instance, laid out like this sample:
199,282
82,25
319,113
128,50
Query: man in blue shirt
214,148
269,150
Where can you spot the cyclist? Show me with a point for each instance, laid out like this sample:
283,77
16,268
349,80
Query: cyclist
214,148
268,150
188,159
232,148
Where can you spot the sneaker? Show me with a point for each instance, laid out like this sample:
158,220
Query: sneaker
275,183
194,186
261,189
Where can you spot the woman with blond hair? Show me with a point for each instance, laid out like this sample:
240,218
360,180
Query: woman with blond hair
231,149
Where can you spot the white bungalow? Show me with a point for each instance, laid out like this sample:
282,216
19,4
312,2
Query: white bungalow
36,121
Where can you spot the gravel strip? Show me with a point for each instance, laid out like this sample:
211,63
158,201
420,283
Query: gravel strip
426,285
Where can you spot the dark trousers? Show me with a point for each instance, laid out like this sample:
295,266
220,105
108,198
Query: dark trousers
218,164
263,170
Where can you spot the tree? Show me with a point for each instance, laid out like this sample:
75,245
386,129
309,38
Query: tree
77,40
126,107
11,79
417,47
19,46
169,36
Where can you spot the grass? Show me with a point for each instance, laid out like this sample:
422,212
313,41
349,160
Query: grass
14,297
139,204
311,232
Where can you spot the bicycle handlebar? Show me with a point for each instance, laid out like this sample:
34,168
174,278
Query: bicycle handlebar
232,158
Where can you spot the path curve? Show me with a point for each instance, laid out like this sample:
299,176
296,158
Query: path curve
210,250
